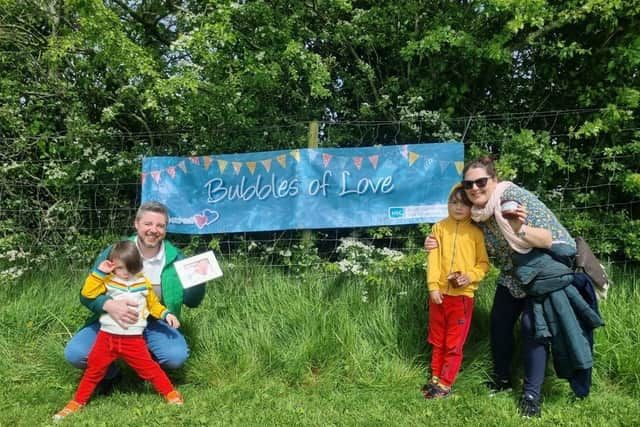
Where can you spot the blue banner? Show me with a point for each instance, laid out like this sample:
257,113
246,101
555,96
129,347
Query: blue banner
304,188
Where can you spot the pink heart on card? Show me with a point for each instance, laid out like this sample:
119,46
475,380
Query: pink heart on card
205,218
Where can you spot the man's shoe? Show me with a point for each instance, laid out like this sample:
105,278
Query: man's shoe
174,398
496,385
69,409
530,406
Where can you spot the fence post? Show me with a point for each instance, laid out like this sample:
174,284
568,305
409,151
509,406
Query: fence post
312,142
312,136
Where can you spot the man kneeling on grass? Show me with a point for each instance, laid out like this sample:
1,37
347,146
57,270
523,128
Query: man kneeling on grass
120,276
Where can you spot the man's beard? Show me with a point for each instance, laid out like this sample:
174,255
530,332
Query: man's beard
150,241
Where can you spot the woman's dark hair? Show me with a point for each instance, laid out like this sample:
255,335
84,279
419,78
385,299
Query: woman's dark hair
484,162
127,252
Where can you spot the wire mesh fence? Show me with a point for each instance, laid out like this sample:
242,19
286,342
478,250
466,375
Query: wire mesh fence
49,208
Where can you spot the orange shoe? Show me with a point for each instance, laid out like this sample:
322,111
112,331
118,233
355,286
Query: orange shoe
174,398
71,407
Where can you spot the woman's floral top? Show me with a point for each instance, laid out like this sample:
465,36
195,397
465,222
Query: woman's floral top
538,215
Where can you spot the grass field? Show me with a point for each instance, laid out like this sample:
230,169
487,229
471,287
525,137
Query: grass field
270,349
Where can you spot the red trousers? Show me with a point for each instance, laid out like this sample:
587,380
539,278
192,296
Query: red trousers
133,349
449,324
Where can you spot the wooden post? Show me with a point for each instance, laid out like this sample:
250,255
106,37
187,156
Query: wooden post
312,142
312,137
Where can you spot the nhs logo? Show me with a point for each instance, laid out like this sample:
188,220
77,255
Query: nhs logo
396,213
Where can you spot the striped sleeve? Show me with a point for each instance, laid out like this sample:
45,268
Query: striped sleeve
94,285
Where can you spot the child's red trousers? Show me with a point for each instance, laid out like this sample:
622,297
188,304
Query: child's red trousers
133,349
449,324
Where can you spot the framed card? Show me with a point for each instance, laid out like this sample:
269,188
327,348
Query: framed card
198,269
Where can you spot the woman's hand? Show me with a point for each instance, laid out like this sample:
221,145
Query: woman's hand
535,237
518,220
430,243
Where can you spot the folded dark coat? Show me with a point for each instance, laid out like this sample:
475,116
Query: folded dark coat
562,316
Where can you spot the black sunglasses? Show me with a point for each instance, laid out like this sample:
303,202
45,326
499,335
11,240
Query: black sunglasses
480,183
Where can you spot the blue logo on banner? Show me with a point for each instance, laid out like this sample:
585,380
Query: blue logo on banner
395,213
305,188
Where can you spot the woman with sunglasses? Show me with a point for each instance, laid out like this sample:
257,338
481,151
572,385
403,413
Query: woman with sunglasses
528,225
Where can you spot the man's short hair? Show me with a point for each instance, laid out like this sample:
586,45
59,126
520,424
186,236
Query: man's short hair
156,207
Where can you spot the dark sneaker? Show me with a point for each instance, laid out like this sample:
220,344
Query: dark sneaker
438,392
530,406
426,389
496,385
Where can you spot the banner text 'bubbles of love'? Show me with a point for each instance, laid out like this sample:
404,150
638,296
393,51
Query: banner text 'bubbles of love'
304,188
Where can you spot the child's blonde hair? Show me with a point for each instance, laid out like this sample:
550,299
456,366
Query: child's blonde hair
458,193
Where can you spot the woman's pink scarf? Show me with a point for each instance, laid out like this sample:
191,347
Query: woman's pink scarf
492,208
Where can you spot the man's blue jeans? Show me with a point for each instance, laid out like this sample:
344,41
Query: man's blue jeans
166,344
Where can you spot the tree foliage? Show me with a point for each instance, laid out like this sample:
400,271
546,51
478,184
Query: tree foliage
87,87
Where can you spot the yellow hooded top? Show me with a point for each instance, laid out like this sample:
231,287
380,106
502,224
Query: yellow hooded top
460,248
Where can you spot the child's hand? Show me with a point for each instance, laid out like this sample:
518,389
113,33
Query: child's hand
172,320
107,266
463,280
436,297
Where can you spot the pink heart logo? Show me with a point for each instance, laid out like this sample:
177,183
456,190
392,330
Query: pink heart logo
205,218
201,220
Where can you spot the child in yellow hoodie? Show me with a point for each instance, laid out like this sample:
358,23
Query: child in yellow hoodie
454,271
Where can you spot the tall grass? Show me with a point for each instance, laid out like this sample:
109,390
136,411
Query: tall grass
273,349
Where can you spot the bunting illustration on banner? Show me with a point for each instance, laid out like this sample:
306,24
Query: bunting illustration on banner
413,157
459,167
358,162
326,159
282,159
183,166
374,161
311,188
207,162
237,166
252,167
